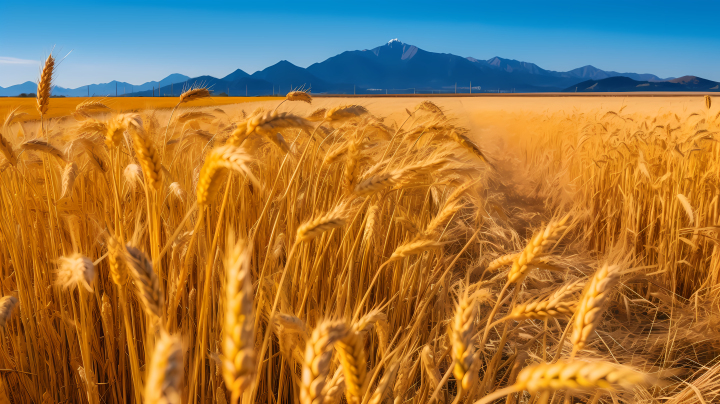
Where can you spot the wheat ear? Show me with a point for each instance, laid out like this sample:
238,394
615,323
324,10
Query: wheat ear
303,96
416,246
45,85
7,304
317,115
216,165
194,94
145,279
342,112
461,338
500,262
572,375
579,375
163,385
431,370
536,248
75,270
43,147
383,387
7,151
554,306
68,179
593,304
333,391
239,328
353,359
376,183
316,366
148,157
402,380
333,219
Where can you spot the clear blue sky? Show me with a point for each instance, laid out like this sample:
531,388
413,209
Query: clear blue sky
138,41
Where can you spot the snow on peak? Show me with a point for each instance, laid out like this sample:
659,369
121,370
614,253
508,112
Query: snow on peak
390,42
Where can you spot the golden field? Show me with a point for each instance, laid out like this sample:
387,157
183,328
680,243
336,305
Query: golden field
364,250
60,107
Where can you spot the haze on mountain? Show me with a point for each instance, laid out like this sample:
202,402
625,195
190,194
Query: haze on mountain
394,67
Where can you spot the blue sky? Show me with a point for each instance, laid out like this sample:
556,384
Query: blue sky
138,41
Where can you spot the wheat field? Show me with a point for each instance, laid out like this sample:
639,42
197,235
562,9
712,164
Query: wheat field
365,251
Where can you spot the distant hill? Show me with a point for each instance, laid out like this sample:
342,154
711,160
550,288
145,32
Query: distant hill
395,67
102,89
624,84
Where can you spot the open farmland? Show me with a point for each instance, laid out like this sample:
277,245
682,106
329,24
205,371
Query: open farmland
360,250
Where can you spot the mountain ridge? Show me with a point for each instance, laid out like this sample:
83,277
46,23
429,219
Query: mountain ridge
395,66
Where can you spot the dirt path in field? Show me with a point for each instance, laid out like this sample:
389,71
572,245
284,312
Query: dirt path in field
509,186
509,189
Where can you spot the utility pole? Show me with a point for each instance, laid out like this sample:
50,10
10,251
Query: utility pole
246,90
471,87
88,91
116,89
153,91
455,88
172,91
353,89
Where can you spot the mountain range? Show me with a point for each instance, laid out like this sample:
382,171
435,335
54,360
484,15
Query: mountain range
395,67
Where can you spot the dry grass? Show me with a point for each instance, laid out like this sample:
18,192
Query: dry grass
230,257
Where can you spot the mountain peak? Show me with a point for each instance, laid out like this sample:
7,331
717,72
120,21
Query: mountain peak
395,40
